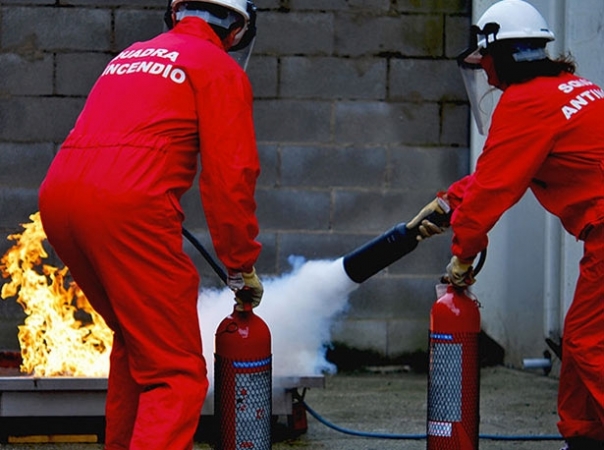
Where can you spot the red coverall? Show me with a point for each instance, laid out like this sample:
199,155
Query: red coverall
110,208
548,135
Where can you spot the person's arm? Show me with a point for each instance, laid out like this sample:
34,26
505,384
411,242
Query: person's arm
229,170
519,140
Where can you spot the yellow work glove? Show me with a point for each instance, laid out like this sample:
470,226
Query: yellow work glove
427,228
247,287
459,273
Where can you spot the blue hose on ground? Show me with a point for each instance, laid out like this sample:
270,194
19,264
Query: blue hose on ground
492,437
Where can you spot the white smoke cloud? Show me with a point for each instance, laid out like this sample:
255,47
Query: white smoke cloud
299,308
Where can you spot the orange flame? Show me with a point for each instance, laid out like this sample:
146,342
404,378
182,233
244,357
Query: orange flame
62,335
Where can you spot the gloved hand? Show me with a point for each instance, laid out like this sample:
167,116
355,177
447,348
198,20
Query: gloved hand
247,287
426,228
459,273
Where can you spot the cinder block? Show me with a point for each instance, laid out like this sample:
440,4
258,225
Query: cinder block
455,125
292,121
407,336
372,212
432,6
24,165
429,259
17,204
387,123
427,168
77,72
328,77
333,167
419,80
267,4
35,119
56,29
269,165
9,328
26,73
457,32
315,246
374,6
267,261
387,298
408,35
362,334
263,75
192,207
282,31
293,209
28,2
133,25
143,4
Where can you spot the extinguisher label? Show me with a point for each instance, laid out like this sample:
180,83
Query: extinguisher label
442,429
445,391
253,410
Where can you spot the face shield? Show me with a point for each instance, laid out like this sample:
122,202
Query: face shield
242,55
242,50
483,97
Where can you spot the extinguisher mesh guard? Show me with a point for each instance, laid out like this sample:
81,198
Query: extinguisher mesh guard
243,403
453,391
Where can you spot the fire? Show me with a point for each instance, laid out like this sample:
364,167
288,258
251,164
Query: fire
61,335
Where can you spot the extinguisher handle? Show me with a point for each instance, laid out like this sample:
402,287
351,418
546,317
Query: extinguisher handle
439,219
244,298
474,270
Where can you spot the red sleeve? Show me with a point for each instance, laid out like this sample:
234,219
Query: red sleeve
519,140
229,169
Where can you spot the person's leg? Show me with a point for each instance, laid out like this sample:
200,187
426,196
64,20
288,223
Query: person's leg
581,391
153,289
122,392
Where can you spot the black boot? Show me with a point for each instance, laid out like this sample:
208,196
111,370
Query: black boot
583,443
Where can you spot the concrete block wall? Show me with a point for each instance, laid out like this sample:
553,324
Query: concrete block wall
360,116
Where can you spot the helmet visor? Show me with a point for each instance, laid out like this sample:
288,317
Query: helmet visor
482,96
242,55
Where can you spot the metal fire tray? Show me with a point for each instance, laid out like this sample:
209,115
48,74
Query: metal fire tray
25,396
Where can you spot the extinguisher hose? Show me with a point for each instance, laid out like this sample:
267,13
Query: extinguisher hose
219,270
492,437
481,260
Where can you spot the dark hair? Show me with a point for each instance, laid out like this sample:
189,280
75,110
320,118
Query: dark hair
510,71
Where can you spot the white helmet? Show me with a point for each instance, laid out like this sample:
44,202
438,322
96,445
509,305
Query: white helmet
239,6
243,43
525,32
512,19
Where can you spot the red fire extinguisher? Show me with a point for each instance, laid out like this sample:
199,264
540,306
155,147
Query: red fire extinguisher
243,382
454,372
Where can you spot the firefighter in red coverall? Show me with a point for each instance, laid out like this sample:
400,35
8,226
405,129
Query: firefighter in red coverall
546,134
110,208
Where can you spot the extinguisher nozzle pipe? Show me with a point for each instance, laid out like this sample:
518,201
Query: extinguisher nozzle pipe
368,259
219,271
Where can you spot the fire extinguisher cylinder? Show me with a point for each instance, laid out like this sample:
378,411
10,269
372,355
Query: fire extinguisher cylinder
453,378
377,254
243,382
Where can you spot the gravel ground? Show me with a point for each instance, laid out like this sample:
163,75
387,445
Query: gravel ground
512,403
